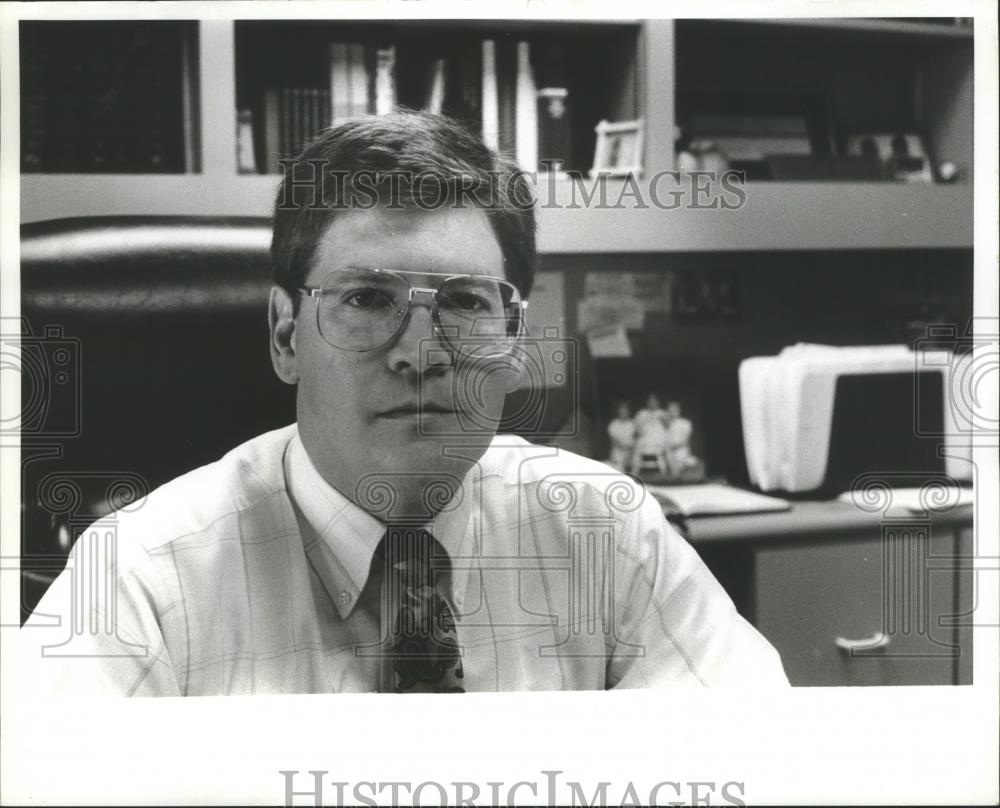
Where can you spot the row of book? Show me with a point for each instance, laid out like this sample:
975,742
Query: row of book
493,85
105,97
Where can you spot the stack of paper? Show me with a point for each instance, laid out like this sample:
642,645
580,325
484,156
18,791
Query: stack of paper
787,408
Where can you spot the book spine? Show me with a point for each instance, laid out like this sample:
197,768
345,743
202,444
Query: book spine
360,102
299,133
110,100
244,142
286,122
340,86
315,119
507,79
272,130
36,95
491,102
435,96
324,109
385,80
526,115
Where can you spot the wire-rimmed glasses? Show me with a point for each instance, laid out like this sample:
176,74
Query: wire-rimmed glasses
362,309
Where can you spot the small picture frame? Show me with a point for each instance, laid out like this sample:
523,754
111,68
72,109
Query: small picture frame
618,152
903,155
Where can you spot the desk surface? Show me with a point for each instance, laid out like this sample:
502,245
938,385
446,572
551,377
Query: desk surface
809,519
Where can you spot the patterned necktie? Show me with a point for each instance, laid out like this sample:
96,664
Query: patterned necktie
422,654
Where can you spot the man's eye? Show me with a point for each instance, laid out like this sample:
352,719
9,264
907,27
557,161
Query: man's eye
367,299
465,301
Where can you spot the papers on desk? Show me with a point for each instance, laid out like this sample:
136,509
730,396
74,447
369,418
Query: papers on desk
788,407
714,499
915,500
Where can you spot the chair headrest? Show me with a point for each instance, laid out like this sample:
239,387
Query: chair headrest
144,265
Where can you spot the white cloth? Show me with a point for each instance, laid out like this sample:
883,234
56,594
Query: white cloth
250,575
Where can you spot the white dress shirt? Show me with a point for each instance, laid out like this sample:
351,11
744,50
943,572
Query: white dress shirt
252,575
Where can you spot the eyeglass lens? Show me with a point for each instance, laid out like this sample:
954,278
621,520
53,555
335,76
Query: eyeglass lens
362,310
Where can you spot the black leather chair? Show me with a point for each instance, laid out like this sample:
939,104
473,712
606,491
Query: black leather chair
144,355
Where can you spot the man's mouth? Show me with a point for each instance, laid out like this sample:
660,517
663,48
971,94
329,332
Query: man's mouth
416,410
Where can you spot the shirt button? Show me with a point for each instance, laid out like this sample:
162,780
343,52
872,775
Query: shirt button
345,597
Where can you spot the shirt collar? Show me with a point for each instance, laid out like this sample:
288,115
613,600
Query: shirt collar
340,538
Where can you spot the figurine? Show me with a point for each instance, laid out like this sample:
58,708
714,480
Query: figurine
679,459
622,433
650,437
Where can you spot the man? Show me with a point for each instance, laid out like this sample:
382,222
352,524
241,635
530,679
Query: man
390,540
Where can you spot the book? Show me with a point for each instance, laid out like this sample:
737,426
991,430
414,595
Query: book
272,131
507,78
360,103
298,122
285,131
526,111
385,80
340,83
244,142
490,97
316,111
324,109
435,93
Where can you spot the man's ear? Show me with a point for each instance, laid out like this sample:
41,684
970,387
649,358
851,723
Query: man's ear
281,319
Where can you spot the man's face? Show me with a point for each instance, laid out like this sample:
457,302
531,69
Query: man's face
395,409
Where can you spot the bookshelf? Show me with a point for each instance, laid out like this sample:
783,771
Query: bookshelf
112,97
842,78
436,64
870,75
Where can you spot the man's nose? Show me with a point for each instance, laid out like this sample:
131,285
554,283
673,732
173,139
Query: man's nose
418,346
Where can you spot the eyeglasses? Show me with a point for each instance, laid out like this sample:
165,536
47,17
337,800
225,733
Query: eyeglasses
363,309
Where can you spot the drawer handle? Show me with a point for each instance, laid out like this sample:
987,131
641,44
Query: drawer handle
878,640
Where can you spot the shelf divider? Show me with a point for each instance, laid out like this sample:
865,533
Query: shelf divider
216,60
659,79
776,216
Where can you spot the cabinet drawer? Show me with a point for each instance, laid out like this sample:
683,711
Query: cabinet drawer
899,591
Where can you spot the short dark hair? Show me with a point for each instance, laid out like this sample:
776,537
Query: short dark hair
405,159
